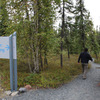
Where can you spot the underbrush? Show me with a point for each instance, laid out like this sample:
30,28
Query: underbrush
51,76
96,59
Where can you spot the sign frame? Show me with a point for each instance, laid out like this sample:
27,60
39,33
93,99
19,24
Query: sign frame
12,56
13,62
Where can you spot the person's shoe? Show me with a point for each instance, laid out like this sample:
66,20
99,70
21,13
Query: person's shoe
84,78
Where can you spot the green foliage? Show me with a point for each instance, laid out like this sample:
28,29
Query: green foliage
57,2
3,18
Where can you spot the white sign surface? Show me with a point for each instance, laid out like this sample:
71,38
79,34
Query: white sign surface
14,48
4,47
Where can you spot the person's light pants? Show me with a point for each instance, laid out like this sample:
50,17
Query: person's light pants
85,68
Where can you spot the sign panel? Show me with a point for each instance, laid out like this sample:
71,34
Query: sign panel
4,47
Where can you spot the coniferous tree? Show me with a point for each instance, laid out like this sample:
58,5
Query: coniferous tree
65,7
68,23
80,17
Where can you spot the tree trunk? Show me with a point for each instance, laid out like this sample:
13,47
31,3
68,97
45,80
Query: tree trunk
68,53
45,58
35,45
96,55
30,68
62,33
82,28
36,60
41,62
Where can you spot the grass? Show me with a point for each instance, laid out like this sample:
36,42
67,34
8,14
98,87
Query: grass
52,75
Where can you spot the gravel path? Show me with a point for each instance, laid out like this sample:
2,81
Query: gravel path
78,89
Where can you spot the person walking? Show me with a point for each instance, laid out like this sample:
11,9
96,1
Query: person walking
84,57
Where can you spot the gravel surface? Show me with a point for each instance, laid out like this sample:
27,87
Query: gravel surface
78,89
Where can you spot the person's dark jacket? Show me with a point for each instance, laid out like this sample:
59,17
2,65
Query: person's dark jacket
84,57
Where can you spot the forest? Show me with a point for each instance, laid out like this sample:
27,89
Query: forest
47,55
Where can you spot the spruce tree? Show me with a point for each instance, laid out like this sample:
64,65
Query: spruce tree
80,17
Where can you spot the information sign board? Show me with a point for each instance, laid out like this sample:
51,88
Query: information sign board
4,47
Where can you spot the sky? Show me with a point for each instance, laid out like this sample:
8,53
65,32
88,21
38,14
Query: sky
94,8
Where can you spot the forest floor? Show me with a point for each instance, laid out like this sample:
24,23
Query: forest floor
77,89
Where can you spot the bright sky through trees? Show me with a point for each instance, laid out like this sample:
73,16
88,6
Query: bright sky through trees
94,7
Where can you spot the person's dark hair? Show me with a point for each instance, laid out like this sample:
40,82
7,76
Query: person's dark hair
85,49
